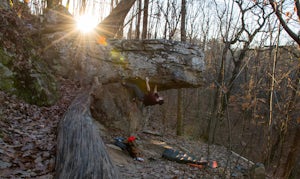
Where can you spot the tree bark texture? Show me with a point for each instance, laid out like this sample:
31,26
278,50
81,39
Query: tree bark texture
145,20
285,26
292,156
112,25
138,24
81,152
183,21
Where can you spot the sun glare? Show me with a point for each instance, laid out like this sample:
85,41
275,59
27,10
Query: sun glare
86,23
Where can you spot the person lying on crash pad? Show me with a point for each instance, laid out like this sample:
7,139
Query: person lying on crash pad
130,146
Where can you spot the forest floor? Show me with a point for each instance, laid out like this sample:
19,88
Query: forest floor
155,166
28,135
28,145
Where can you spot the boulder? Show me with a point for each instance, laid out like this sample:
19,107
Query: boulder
113,107
168,64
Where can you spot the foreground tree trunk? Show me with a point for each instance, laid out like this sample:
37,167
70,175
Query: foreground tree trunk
81,152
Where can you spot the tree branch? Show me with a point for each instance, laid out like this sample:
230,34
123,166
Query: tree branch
297,4
293,35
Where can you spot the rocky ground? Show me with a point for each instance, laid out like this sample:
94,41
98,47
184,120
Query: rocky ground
28,146
155,166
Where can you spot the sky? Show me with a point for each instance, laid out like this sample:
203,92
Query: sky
198,12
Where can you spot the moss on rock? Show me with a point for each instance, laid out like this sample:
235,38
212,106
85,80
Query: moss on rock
36,86
6,75
6,79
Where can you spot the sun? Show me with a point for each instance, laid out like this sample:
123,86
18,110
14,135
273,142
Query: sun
86,23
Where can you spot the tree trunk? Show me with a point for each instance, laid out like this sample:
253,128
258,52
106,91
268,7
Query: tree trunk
284,24
166,23
52,3
183,20
112,25
111,5
81,152
68,5
145,20
138,24
292,156
82,7
179,130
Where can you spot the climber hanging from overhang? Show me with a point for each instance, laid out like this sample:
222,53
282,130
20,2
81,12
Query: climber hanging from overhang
149,98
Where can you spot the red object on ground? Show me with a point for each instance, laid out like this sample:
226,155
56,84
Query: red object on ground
214,164
131,139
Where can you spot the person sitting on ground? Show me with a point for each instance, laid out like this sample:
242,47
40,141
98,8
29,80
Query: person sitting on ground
132,149
150,98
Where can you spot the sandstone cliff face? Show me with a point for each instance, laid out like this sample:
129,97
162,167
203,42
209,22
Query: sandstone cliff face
170,65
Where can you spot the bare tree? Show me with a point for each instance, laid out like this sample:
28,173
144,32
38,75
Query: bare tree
174,19
192,23
83,7
294,150
145,19
205,25
138,24
233,32
276,7
183,21
166,14
68,5
157,23
111,5
112,25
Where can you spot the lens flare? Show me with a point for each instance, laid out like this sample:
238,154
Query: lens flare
86,23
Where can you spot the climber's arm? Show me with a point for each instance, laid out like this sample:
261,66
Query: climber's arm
147,83
155,89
